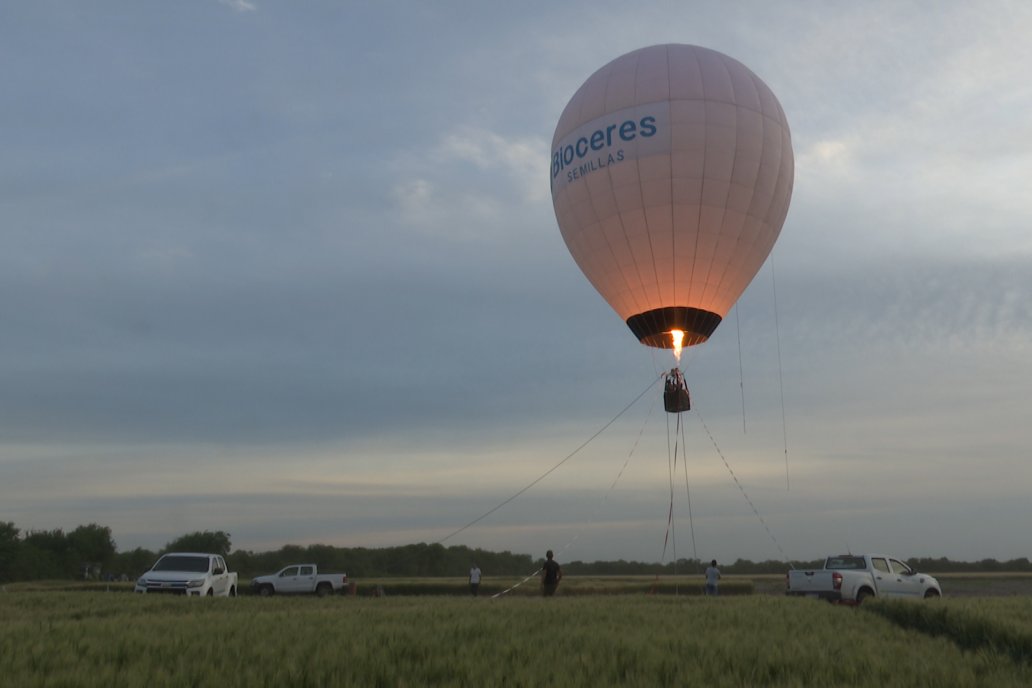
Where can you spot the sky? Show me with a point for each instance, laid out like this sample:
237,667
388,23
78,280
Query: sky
291,271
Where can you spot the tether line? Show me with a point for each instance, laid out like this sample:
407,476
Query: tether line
741,488
781,377
741,374
688,493
612,486
551,470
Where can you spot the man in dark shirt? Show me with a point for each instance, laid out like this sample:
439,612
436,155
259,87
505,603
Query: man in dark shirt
551,574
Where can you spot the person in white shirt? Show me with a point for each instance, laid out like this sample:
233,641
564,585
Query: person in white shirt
474,579
712,578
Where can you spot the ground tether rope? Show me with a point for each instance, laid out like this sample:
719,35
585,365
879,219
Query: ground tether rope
781,378
612,486
544,475
547,473
741,489
687,492
679,441
741,373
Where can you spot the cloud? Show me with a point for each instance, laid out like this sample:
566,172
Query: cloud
523,159
472,185
239,5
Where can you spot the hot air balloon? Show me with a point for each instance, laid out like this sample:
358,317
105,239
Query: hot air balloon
671,176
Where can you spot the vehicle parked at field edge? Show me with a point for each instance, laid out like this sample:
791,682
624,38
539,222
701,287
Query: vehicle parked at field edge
300,579
189,573
851,578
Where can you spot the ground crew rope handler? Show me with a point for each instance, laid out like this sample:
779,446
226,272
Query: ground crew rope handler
551,574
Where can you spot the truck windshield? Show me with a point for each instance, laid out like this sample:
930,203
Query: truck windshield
181,563
845,563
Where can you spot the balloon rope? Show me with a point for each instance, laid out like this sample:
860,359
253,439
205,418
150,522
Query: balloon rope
671,530
781,378
741,374
687,492
551,470
739,485
671,461
672,523
612,486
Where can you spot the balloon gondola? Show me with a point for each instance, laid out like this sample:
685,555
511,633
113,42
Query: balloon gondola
675,393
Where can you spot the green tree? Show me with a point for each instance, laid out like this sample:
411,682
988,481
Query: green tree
209,542
44,554
92,547
10,543
132,563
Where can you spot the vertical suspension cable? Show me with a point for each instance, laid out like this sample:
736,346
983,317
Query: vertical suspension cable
670,538
781,379
687,491
741,375
670,509
673,521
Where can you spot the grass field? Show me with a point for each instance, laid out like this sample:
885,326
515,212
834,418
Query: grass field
55,638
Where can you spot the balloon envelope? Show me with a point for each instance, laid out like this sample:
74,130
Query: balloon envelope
671,176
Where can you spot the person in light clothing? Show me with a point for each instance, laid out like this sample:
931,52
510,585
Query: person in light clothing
712,578
474,579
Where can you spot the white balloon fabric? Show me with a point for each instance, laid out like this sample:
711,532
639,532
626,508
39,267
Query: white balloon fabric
671,176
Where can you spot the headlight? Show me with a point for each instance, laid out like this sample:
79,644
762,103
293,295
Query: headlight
141,582
195,583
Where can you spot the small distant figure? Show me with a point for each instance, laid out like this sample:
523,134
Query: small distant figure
551,574
474,579
712,578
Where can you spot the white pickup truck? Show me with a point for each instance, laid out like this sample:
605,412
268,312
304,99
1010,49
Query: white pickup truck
300,579
191,574
851,578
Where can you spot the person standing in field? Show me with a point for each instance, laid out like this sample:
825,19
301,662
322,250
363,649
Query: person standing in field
551,574
712,578
474,579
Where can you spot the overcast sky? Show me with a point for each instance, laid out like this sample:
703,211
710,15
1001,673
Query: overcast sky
291,270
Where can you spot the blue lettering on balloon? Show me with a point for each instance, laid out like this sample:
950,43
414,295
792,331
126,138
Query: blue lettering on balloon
627,131
647,126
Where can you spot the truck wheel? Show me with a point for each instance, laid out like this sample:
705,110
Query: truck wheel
232,591
266,590
211,592
931,593
863,595
323,589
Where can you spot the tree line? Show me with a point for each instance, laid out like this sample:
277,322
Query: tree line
89,552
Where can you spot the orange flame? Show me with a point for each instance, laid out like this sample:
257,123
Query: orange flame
678,336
